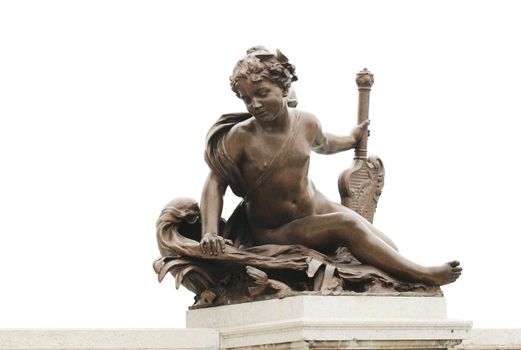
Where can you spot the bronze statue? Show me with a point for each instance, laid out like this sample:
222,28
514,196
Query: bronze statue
285,237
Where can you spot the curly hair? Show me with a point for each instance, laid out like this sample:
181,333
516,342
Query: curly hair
260,63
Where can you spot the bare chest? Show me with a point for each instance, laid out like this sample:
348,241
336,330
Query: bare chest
272,152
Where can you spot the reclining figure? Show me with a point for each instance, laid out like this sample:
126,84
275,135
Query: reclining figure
285,237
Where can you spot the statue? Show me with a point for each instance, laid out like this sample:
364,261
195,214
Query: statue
285,237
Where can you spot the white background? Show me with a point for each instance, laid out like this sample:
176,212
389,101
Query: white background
104,106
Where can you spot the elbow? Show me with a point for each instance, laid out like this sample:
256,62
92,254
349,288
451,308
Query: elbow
320,150
324,148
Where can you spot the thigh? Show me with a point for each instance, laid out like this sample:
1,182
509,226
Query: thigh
339,208
313,231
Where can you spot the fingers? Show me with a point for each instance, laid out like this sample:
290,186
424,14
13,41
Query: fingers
213,244
218,248
213,247
203,245
364,125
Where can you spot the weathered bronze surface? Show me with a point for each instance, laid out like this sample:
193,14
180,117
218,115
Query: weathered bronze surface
360,186
285,237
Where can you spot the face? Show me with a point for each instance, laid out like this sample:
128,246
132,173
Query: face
263,99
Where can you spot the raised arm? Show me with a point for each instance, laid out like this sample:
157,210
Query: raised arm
211,210
326,143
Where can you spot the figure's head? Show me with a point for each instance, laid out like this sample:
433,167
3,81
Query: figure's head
259,64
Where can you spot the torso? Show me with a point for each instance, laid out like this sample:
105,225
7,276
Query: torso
287,193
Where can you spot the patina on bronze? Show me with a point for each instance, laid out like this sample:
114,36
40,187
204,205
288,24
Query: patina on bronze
285,237
361,185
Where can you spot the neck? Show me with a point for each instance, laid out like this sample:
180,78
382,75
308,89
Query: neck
279,124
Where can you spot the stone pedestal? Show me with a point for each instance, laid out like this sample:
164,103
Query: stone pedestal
334,322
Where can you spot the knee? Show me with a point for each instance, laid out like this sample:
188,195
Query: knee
350,223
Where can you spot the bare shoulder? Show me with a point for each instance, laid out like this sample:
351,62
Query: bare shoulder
310,122
237,137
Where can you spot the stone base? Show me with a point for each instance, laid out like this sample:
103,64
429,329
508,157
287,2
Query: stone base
300,322
334,322
201,339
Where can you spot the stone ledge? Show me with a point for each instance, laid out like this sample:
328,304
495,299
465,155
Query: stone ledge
114,339
361,334
299,322
493,339
176,339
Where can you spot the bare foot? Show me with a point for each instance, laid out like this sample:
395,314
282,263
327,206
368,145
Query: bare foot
443,274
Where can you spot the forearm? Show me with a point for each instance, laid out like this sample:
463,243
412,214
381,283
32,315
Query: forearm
333,143
212,203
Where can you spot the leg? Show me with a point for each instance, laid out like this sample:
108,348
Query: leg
335,207
327,231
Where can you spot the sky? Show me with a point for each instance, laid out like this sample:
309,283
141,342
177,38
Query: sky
104,107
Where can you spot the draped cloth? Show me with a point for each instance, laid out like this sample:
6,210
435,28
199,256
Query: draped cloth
216,155
217,158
